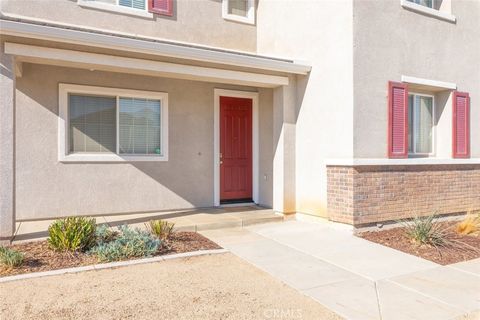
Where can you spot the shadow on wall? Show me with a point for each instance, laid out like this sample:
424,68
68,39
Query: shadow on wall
441,99
302,82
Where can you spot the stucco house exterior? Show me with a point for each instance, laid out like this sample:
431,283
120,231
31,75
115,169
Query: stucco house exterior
357,111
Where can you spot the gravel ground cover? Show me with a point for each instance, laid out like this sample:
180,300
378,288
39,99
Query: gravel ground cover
219,286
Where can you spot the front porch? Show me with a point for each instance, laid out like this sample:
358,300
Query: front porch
185,220
47,165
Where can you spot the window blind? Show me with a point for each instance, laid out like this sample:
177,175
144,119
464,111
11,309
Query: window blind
238,7
420,124
426,3
92,122
136,4
423,124
139,126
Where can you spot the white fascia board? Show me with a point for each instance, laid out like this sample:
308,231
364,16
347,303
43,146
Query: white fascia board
103,62
430,83
399,162
81,37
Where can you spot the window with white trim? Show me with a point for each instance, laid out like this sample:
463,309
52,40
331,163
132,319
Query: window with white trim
132,4
420,124
239,10
137,8
440,9
113,124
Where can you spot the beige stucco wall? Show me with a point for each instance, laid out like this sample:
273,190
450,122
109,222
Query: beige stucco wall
319,32
47,188
389,42
194,21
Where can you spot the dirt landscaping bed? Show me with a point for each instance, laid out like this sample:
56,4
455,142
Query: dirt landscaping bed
219,286
460,247
38,256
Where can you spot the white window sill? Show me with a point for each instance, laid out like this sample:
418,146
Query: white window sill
394,162
428,11
246,20
114,8
110,158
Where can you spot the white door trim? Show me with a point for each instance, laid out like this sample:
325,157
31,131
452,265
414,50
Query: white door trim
216,140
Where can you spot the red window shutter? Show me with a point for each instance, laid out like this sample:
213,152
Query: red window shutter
163,7
397,120
461,125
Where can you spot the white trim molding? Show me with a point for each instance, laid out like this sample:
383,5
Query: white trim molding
103,62
429,83
428,11
116,8
80,35
216,141
398,162
249,19
63,123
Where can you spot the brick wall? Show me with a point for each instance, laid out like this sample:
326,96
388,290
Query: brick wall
367,194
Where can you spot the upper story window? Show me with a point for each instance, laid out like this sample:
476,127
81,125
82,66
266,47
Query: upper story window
141,8
239,10
440,9
426,3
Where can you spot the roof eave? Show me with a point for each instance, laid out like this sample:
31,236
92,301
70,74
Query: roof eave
111,41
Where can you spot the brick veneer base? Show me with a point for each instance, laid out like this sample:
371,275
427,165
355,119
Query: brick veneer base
362,195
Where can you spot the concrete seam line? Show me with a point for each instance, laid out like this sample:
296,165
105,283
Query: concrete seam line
110,265
456,307
378,300
464,271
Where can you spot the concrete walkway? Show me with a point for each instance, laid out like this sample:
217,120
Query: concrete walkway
353,277
185,220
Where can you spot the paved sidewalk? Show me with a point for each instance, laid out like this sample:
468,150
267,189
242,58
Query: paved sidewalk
353,277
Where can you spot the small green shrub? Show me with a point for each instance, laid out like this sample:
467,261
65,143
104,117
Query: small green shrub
72,234
161,229
129,243
10,258
105,234
426,231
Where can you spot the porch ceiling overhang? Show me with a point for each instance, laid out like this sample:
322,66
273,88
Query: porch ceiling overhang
427,84
105,62
50,31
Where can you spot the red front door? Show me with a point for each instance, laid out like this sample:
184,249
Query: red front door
235,149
